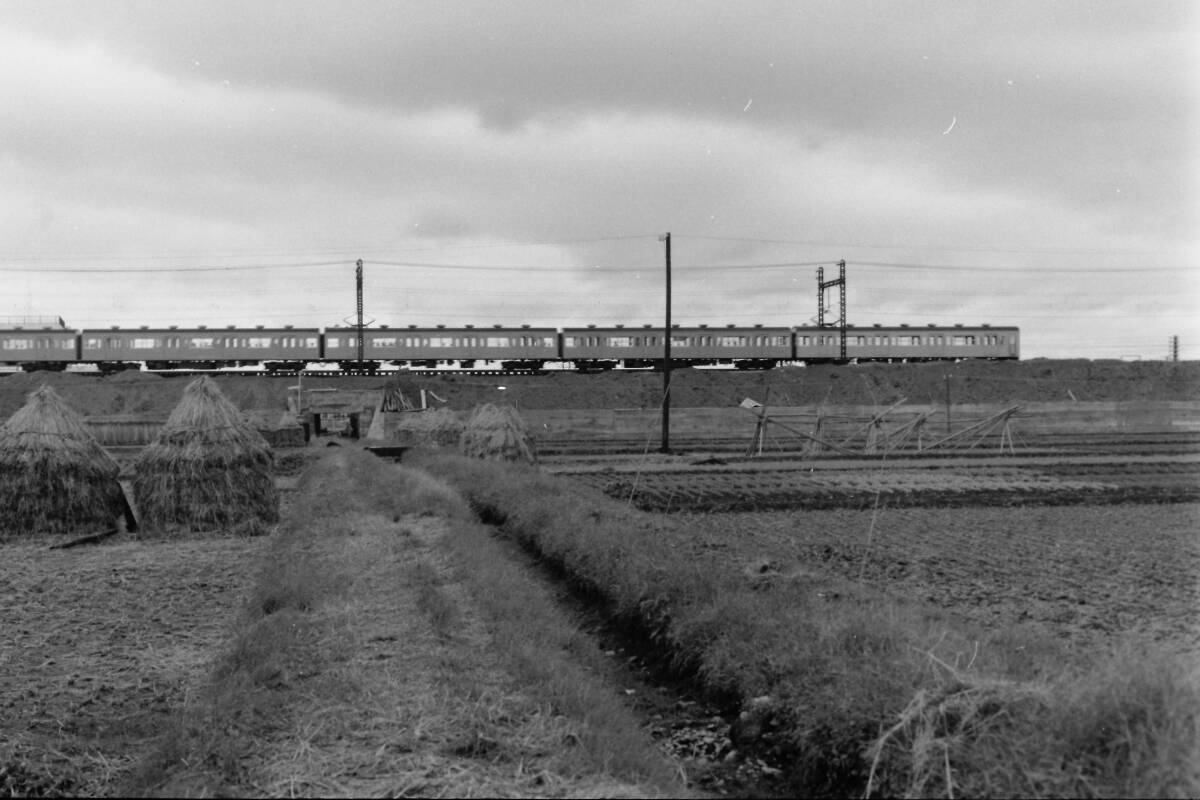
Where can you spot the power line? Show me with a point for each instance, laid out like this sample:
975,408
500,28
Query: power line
1014,270
145,270
350,252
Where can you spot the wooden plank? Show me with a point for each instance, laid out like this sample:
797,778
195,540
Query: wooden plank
133,518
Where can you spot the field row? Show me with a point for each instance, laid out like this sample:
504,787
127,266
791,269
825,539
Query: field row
740,490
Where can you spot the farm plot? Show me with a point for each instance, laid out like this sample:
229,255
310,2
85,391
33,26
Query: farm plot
868,483
752,491
1092,574
101,646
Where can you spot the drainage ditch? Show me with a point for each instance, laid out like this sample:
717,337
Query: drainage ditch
702,732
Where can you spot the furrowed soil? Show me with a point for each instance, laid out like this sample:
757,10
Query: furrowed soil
101,646
1095,576
960,482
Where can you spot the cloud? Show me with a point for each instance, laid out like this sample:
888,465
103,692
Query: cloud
283,133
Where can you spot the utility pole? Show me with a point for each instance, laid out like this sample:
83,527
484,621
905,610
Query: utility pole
1174,348
666,407
358,282
822,285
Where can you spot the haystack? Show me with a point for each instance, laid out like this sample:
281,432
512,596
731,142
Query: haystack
54,476
207,469
497,432
436,428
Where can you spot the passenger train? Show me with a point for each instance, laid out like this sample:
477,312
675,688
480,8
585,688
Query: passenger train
523,348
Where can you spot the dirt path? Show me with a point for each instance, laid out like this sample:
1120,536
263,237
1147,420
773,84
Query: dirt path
101,645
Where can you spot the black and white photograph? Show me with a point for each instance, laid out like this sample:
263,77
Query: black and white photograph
600,399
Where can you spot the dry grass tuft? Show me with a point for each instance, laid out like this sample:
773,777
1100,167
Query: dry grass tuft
54,476
1128,727
207,469
497,433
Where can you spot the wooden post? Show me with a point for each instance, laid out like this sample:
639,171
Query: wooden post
947,405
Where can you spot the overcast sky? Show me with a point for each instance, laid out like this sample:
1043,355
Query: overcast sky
1016,163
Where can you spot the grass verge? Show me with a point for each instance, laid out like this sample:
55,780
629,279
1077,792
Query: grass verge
386,650
847,690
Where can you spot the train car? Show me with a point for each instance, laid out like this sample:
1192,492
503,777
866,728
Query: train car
523,348
276,349
596,348
46,347
905,343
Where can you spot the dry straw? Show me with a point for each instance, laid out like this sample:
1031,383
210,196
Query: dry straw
54,476
208,468
497,432
436,428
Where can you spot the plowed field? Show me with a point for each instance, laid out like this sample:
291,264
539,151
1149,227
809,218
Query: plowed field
100,646
925,484
1093,575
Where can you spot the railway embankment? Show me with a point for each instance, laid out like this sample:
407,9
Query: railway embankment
798,422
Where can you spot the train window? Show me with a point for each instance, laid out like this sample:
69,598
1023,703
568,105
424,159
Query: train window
260,341
498,341
731,341
15,344
383,341
619,341
441,341
144,344
200,342
67,344
333,341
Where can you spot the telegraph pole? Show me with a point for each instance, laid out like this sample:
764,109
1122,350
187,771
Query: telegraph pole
358,282
666,407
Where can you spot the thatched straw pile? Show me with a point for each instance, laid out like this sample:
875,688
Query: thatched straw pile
497,432
54,476
435,428
207,469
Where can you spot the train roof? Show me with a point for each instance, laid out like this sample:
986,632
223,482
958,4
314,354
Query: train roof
202,328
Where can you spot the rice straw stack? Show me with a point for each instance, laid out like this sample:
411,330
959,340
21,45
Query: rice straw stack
436,428
208,468
54,476
499,433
